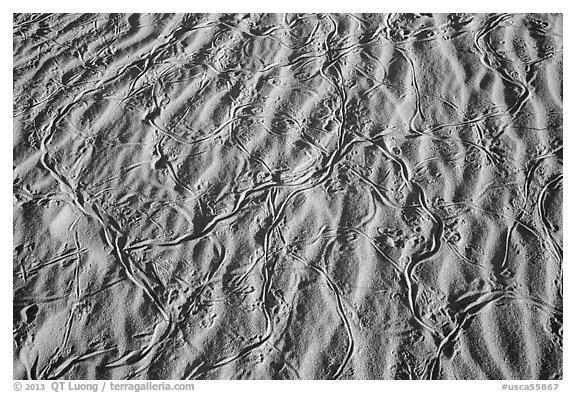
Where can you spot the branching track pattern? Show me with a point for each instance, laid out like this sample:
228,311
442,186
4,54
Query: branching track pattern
287,196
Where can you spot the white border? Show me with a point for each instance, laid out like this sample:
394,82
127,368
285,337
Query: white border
569,382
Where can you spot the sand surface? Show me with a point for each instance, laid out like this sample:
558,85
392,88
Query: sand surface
258,196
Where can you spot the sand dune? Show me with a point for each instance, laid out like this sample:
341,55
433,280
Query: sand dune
261,196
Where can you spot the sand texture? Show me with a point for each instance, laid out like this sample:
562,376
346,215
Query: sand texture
266,196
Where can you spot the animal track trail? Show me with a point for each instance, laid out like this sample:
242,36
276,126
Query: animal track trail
287,196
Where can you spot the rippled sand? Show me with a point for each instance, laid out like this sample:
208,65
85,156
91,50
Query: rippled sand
287,196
